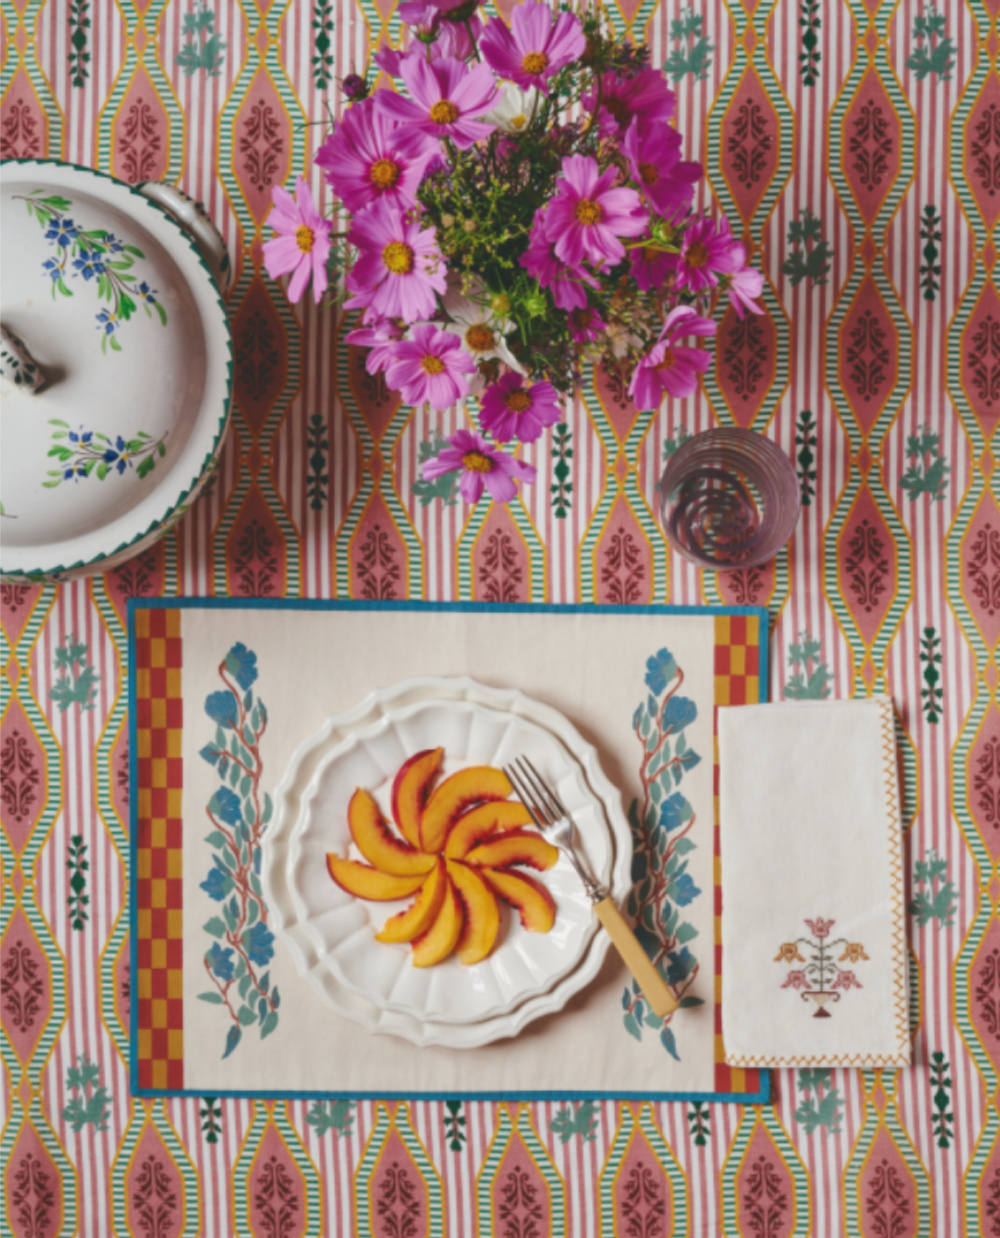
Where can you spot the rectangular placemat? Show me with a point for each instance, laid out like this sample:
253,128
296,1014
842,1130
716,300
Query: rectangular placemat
221,1007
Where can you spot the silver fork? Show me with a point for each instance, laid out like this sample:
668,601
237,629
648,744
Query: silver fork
549,813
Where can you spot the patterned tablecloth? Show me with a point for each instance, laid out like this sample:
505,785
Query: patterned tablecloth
859,143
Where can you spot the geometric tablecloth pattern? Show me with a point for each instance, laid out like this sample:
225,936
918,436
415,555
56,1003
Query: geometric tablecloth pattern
856,144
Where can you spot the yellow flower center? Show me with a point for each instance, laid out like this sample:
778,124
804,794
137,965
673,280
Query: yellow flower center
432,364
696,255
480,338
581,318
519,401
305,238
444,112
588,211
535,62
477,462
384,173
519,121
398,257
649,173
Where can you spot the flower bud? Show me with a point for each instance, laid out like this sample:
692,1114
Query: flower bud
500,304
355,87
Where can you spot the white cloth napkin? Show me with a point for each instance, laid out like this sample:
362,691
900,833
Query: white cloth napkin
814,968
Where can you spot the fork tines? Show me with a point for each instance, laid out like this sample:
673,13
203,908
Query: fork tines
539,799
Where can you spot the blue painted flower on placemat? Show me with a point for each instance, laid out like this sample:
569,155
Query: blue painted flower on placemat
86,453
661,827
100,259
239,813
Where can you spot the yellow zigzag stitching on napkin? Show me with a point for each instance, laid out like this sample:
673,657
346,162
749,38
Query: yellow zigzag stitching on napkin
896,901
823,1059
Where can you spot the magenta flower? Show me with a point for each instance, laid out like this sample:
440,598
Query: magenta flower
667,181
431,366
652,268
483,467
456,40
743,285
670,368
399,267
422,18
511,410
586,217
380,340
368,157
302,245
644,97
534,48
586,325
565,283
389,60
445,98
707,252
820,928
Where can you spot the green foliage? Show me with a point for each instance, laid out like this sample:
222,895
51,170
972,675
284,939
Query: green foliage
699,1121
810,56
933,693
77,685
77,900
202,48
90,1104
940,1083
810,255
211,1119
317,445
78,56
562,453
930,268
693,52
811,678
928,470
322,60
331,1115
581,1120
805,441
86,453
454,1125
936,897
934,51
821,1103
445,487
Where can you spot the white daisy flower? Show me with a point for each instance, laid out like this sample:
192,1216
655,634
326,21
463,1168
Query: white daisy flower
480,331
515,109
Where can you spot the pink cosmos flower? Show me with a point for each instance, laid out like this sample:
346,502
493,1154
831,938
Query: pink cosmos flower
743,285
534,48
586,216
586,325
511,410
445,98
430,367
388,60
652,268
669,368
707,252
369,156
422,18
302,245
456,39
796,980
399,266
379,340
667,181
483,467
564,282
644,97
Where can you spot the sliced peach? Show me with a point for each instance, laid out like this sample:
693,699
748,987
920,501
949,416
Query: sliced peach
517,847
479,823
371,833
410,790
440,939
454,795
531,899
364,882
482,915
418,917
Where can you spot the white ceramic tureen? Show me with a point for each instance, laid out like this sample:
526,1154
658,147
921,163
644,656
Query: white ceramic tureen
115,367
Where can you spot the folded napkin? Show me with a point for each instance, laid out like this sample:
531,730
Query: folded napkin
813,913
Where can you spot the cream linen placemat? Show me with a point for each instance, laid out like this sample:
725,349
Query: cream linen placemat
813,912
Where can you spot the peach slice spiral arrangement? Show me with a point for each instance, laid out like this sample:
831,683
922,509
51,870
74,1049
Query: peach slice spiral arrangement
458,845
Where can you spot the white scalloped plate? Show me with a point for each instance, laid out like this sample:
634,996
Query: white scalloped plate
331,934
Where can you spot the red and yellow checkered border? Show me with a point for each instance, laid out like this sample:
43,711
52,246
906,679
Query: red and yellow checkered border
159,872
737,682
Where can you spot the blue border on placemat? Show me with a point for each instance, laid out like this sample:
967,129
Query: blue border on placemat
333,604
